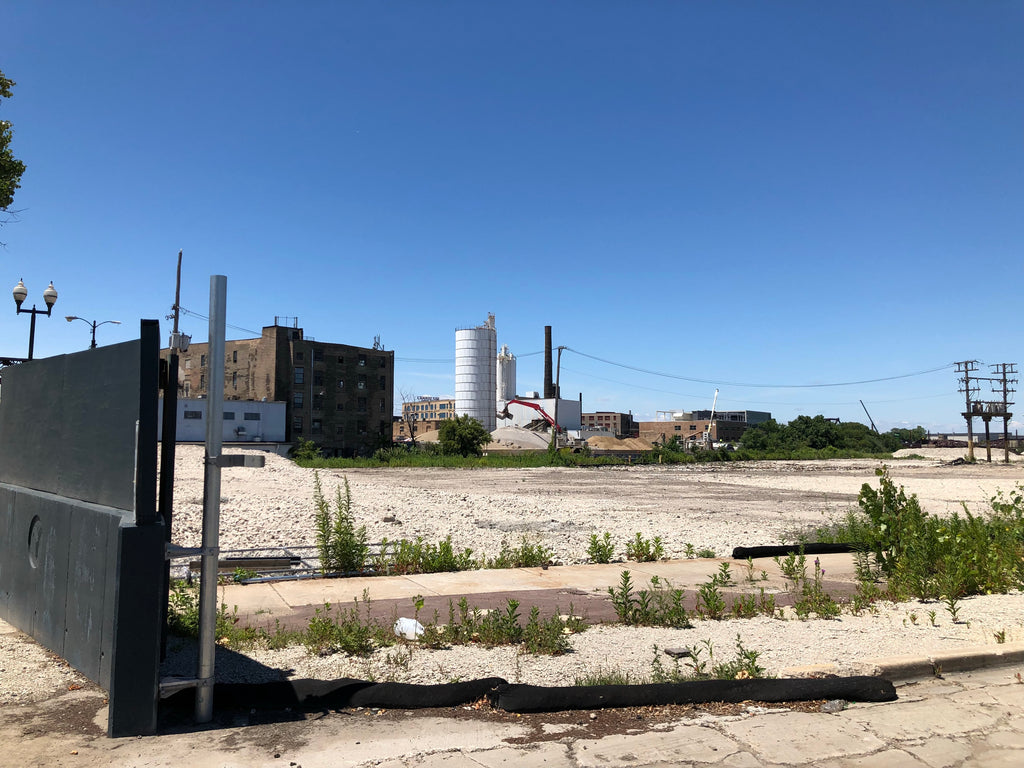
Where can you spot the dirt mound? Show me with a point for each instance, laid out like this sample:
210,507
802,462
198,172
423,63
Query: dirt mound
517,439
631,444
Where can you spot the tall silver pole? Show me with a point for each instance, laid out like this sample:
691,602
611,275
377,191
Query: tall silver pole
211,501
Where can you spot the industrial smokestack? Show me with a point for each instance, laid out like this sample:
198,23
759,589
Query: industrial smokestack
549,382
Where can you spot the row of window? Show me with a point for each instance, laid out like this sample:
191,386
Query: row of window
318,379
299,400
318,357
228,415
316,427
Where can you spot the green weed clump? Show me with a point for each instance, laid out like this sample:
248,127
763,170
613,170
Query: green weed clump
931,557
701,665
495,628
601,550
659,606
528,554
407,557
350,631
645,550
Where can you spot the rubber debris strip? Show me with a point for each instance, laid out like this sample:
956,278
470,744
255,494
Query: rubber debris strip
346,692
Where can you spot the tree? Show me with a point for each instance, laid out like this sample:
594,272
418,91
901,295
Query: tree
463,435
10,167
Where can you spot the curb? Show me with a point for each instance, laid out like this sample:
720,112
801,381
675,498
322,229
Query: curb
963,660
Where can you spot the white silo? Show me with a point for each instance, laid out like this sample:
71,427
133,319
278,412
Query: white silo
475,373
506,375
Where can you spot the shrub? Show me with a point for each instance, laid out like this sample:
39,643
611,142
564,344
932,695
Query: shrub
527,555
601,550
661,605
645,550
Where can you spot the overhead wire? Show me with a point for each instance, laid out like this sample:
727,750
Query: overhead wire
758,386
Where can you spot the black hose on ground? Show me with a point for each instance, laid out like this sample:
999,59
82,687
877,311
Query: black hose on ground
345,692
742,553
531,698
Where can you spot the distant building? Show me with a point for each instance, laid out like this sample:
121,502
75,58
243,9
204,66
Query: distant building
422,415
727,427
619,424
337,395
245,421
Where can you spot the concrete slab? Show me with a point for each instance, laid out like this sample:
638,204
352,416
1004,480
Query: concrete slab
684,743
924,719
940,752
796,738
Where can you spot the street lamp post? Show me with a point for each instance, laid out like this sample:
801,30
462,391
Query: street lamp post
93,324
49,296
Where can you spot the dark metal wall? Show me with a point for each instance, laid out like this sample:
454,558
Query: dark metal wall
81,547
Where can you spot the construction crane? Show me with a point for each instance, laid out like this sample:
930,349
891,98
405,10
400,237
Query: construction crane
505,414
711,421
869,416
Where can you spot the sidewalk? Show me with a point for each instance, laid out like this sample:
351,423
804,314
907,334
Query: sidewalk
294,601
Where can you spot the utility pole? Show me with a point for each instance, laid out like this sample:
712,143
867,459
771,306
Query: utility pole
1001,385
967,367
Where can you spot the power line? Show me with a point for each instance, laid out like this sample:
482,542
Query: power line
204,317
758,386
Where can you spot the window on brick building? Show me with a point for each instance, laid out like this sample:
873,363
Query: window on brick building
362,359
297,423
317,427
300,375
297,399
361,384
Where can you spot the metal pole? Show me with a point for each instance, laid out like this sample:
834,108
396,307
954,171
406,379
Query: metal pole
93,345
32,333
167,449
211,502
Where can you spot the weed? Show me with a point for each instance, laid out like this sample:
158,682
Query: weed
952,603
710,603
750,578
661,605
794,566
529,554
601,550
345,632
931,618
645,550
724,576
342,546
1000,636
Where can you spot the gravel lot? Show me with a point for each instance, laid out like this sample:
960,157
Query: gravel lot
716,506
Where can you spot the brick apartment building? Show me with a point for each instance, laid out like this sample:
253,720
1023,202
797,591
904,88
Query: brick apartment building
619,424
337,395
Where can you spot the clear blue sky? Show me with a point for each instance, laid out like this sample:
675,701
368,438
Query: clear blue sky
763,193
